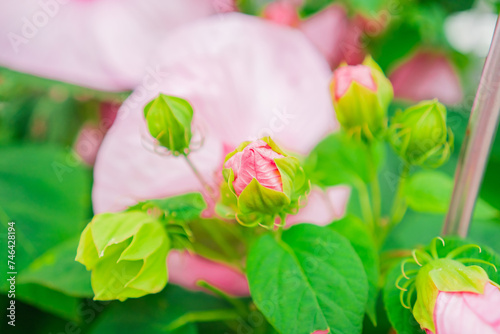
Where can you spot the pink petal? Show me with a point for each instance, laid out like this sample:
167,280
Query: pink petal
103,44
427,75
487,305
326,30
269,83
453,313
187,269
345,75
322,207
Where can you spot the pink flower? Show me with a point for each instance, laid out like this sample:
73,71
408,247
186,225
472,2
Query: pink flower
282,12
256,161
272,82
102,44
467,312
425,76
344,76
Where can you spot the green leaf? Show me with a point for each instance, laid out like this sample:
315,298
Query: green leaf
310,280
183,207
400,317
49,300
338,159
56,269
46,192
430,192
156,313
361,240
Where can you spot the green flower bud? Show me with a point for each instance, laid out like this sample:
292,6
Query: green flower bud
169,121
126,253
420,136
261,183
361,95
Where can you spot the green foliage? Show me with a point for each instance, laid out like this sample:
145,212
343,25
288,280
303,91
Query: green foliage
46,192
338,159
56,269
185,207
430,192
172,311
311,279
362,241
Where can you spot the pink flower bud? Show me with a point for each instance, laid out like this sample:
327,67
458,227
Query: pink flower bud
346,75
468,312
255,161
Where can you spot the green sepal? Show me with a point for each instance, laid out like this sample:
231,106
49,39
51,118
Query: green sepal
169,121
126,253
444,275
256,198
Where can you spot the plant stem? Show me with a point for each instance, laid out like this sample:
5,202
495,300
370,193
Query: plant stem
364,199
206,186
399,204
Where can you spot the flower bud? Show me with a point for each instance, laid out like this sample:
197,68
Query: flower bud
169,121
262,182
419,134
451,297
361,96
126,253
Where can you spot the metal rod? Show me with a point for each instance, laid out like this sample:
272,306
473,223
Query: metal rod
477,143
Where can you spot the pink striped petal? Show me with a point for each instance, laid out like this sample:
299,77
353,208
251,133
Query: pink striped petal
256,161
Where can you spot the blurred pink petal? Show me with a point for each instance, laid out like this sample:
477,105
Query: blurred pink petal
256,161
466,312
322,207
271,82
336,36
102,44
187,269
282,12
326,331
88,141
425,76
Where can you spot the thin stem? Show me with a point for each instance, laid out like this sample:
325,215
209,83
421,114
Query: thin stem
399,204
210,191
374,186
364,199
